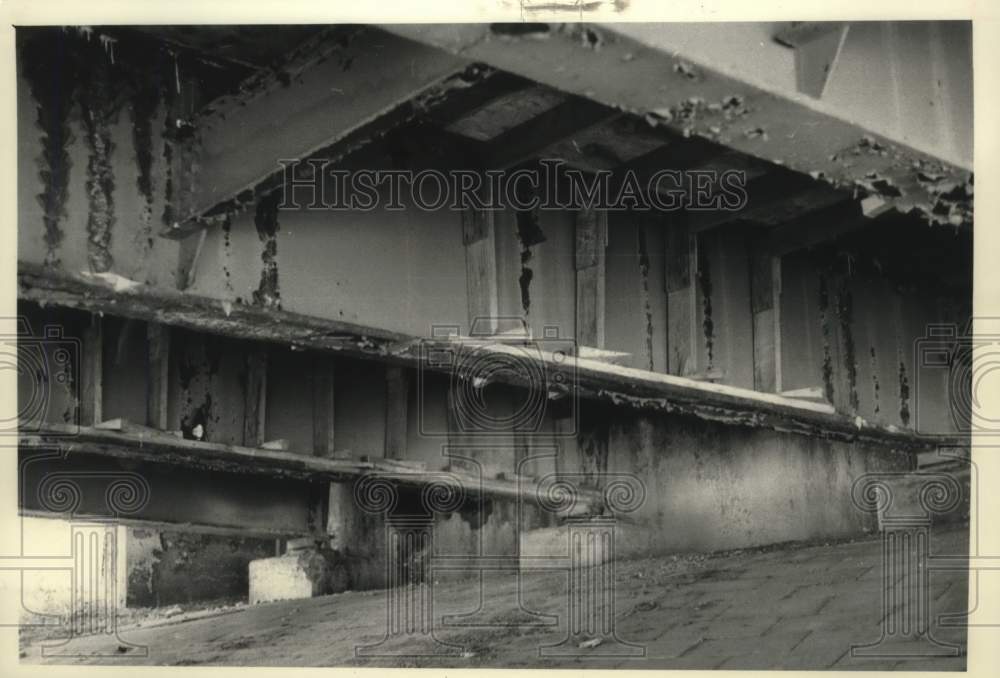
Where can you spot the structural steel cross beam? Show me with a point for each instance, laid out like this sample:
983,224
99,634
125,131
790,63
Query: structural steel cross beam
137,443
636,69
620,386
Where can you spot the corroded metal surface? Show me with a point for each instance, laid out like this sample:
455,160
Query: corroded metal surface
605,64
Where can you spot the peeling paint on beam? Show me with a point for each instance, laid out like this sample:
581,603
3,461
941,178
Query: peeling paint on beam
267,293
694,100
451,96
529,234
593,380
204,314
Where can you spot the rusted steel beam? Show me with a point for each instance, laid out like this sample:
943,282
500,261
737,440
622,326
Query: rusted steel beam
157,375
332,95
255,405
162,448
623,67
324,404
625,387
591,274
680,259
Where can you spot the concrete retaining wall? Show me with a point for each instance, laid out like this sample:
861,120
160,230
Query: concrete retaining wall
711,487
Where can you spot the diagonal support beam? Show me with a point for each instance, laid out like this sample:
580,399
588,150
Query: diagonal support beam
592,379
334,95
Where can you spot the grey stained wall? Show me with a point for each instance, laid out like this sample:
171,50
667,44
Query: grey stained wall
94,188
707,486
169,568
93,157
713,487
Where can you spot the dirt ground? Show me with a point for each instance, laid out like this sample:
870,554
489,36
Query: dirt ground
795,606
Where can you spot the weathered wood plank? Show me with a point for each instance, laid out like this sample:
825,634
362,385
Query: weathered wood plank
591,243
92,373
157,375
324,405
478,236
678,254
589,307
614,64
397,387
188,255
680,357
761,281
255,397
682,307
764,351
763,306
814,393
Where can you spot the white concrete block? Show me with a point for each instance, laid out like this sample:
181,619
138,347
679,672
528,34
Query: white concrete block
302,574
281,578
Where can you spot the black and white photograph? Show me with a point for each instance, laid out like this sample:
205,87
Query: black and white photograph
560,339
